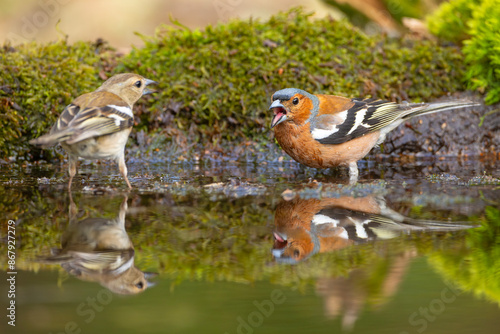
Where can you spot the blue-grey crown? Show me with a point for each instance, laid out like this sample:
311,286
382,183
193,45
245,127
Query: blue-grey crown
287,93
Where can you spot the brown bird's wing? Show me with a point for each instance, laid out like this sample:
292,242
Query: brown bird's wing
90,115
97,121
357,226
103,260
338,122
67,116
360,118
362,226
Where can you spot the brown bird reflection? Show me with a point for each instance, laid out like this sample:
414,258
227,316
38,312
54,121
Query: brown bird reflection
304,227
100,250
346,297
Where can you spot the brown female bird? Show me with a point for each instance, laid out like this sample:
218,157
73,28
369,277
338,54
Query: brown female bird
100,250
324,131
97,125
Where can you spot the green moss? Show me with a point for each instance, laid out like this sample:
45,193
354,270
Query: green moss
37,82
449,22
216,83
477,24
482,51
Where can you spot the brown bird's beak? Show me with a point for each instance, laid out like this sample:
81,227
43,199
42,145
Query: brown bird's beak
279,113
147,90
148,276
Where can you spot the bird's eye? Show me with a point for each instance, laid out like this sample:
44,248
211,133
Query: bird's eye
138,84
295,101
140,285
296,253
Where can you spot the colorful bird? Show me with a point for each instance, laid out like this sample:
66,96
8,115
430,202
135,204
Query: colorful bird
97,125
324,131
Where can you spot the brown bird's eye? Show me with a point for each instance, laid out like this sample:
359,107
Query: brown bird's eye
140,285
295,101
296,253
138,84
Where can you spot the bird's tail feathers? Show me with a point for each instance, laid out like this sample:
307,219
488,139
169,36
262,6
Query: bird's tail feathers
394,217
429,108
51,139
434,225
56,257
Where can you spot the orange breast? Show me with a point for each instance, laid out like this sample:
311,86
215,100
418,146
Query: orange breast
298,142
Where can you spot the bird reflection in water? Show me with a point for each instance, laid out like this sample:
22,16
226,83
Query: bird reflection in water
100,250
346,297
304,227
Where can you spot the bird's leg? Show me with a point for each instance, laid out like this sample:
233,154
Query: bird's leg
123,212
123,169
72,171
73,209
353,173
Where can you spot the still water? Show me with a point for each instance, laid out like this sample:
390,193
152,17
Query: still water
253,248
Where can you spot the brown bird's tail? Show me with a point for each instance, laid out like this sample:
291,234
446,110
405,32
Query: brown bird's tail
418,109
56,257
51,139
408,223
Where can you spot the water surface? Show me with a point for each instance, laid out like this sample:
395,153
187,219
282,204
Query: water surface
254,248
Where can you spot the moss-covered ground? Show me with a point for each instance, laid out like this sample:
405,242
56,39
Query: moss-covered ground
216,83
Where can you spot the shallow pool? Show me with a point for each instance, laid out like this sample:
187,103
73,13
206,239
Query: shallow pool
252,248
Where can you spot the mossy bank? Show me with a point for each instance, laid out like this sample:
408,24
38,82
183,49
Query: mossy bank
216,83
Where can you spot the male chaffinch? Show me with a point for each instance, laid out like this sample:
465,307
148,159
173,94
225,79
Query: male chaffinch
100,250
97,125
324,131
304,227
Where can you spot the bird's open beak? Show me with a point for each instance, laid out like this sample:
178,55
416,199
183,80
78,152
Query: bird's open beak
147,90
279,113
280,243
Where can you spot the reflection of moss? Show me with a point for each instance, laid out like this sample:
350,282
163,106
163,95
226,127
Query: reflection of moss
215,84
476,267
190,237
